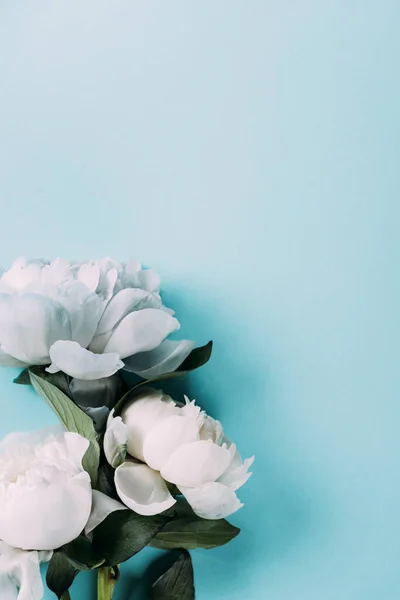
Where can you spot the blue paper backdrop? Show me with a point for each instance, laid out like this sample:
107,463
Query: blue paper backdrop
249,152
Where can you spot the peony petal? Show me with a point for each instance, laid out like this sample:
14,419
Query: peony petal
167,357
89,274
115,440
140,331
102,506
30,324
78,362
22,273
19,570
48,516
196,463
6,360
212,430
84,308
142,489
166,436
123,303
212,500
142,413
146,279
237,473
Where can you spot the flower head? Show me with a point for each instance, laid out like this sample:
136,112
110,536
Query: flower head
177,444
87,319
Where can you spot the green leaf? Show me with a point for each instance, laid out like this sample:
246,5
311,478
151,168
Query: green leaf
73,419
124,533
60,380
83,554
60,573
197,358
177,583
187,530
23,378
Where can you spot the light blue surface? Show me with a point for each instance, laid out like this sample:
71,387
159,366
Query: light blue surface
249,152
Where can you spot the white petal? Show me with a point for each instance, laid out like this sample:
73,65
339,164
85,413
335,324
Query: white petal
30,324
99,342
142,489
22,273
140,331
89,274
123,303
102,506
20,570
78,362
196,463
212,430
115,440
146,279
58,272
142,413
166,436
47,517
84,310
6,360
237,473
212,500
167,357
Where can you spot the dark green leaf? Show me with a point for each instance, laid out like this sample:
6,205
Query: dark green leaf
82,554
105,480
197,358
23,378
177,583
73,419
187,530
60,573
124,533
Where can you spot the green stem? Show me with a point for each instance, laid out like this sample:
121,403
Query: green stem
107,577
66,596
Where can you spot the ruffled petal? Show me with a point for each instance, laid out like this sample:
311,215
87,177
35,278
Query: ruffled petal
142,413
196,463
140,331
166,436
84,308
78,362
237,473
167,357
102,506
146,279
142,489
30,324
212,500
89,274
123,303
22,273
115,440
20,570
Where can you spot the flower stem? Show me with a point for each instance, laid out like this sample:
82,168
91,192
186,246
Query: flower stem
66,596
107,577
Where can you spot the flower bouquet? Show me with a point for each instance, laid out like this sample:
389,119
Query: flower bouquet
128,466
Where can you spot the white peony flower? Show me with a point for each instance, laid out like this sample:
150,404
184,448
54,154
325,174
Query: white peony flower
87,319
176,444
46,501
45,494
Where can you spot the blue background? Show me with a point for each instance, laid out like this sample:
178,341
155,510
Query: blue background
249,152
